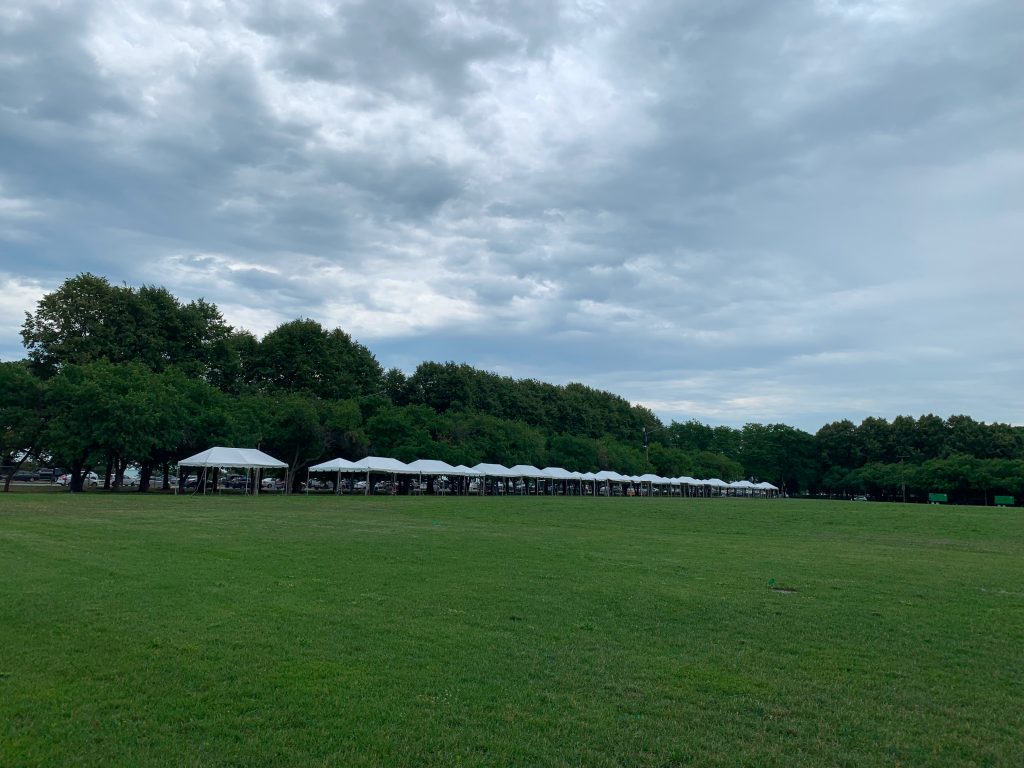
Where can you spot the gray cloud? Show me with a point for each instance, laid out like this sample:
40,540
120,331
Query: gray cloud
742,210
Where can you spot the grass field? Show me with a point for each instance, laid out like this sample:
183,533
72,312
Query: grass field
393,631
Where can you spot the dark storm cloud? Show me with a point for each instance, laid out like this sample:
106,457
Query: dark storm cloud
45,70
739,210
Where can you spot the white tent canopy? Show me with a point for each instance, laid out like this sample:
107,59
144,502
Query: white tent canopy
495,470
242,458
337,465
431,467
526,470
234,458
557,473
254,459
384,465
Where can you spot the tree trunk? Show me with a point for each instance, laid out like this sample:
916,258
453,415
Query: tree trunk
10,475
166,486
107,474
145,472
76,477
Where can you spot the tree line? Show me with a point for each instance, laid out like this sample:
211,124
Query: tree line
116,376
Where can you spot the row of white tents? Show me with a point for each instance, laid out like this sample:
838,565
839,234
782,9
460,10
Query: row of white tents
526,479
485,478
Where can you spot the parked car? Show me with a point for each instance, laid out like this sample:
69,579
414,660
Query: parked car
91,480
130,479
235,481
25,476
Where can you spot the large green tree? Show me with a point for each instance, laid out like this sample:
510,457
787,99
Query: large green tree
303,356
112,415
23,416
836,444
88,319
780,454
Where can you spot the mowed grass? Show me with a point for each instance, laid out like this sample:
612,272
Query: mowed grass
393,631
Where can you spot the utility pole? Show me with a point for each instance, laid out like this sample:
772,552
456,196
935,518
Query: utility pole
647,448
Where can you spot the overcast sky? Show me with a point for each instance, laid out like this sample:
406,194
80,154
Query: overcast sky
741,210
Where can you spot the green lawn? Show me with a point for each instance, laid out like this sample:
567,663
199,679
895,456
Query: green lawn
392,631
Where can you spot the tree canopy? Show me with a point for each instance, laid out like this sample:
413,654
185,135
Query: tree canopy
116,375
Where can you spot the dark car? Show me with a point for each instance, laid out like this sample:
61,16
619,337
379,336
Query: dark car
236,481
25,476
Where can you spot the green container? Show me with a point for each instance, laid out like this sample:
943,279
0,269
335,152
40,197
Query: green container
1004,501
937,498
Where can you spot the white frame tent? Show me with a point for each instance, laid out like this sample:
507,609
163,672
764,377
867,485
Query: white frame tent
249,459
433,467
499,471
382,465
635,480
559,474
743,485
608,476
688,482
590,477
529,472
469,472
338,465
714,482
651,480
